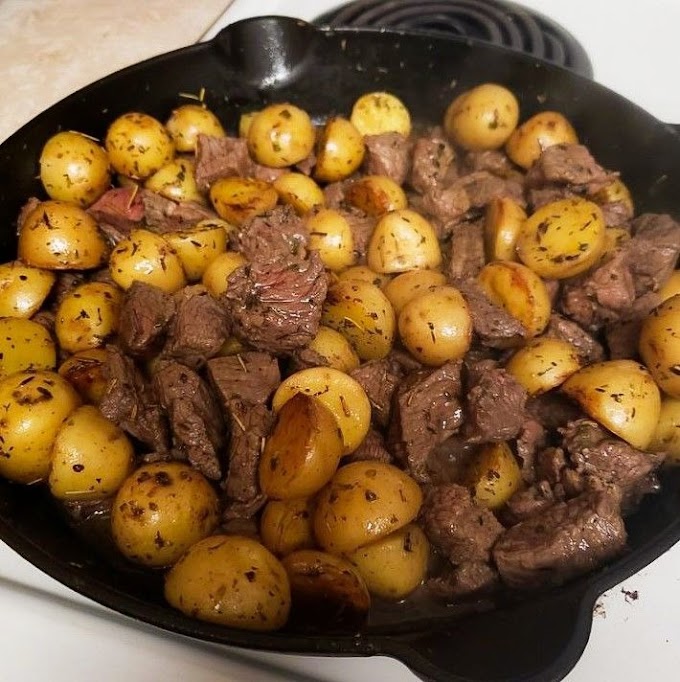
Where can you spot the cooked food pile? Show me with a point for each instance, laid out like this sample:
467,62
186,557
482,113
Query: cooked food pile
319,365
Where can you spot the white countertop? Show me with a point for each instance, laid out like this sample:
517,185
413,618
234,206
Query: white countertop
50,48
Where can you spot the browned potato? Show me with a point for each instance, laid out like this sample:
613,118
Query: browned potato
376,195
364,502
216,276
339,151
666,436
381,112
331,235
189,121
239,199
327,591
299,191
669,289
286,525
198,246
303,450
659,346
494,475
335,349
502,226
539,132
23,289
24,345
176,180
86,371
408,285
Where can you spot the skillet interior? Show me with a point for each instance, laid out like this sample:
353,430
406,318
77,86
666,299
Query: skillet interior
274,59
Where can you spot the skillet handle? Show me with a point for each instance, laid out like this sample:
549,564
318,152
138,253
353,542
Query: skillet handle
537,641
267,51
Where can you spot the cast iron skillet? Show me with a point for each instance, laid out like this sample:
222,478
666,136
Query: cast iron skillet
274,59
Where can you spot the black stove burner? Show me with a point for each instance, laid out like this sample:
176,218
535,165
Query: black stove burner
493,21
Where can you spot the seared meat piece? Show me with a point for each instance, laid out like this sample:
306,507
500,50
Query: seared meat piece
616,213
528,502
653,251
481,187
144,318
304,358
445,205
467,251
461,529
388,154
586,346
492,161
251,377
379,378
547,195
553,409
164,215
334,193
65,283
118,211
277,307
361,226
426,411
433,159
195,420
565,540
531,438
371,449
31,204
449,461
471,579
220,157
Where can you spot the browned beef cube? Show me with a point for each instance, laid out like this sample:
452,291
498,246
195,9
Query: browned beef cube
586,346
379,378
433,158
251,377
467,256
372,449
165,215
279,235
470,579
120,208
388,154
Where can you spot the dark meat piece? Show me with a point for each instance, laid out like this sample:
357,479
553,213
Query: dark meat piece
388,154
220,157
371,449
550,463
495,407
240,525
304,358
65,283
277,307
379,378
467,580
433,158
249,425
334,194
426,411
243,511
532,438
538,198
494,326
251,377
199,328
165,215
361,226
307,164
31,204
529,502
616,213
492,161
586,346
467,250
445,205
131,403
653,251
46,318
450,461
279,235
144,318
195,420
481,187
118,211
461,529
565,540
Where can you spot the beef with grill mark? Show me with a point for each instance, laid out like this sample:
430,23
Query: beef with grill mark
379,379
144,318
276,307
251,377
467,256
131,403
565,540
165,215
388,154
195,421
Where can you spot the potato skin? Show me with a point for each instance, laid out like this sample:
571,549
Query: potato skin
340,150
176,180
395,565
660,347
302,452
408,285
621,395
91,457
380,112
23,289
335,349
669,289
216,275
236,199
541,131
233,581
563,238
666,436
24,345
86,371
286,525
36,405
494,475
188,121
198,247
331,235
376,195
365,274
299,191
503,222
160,511
364,502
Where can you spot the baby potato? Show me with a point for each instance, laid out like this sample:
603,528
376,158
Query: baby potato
668,290
160,510
403,240
406,286
188,121
138,145
666,436
621,395
659,345
230,580
616,190
91,457
361,313
299,191
365,501
376,195
381,112
23,289
494,475
145,256
335,349
61,236
482,118
539,132
197,247
395,565
176,180
216,275
34,406
87,316
303,450
74,168
286,525
281,135
339,392
331,235
24,345
365,274
563,238
543,364
340,150
520,291
244,122
436,326
327,591
239,199
86,372
503,222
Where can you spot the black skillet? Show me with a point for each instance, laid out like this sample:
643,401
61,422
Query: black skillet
274,59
